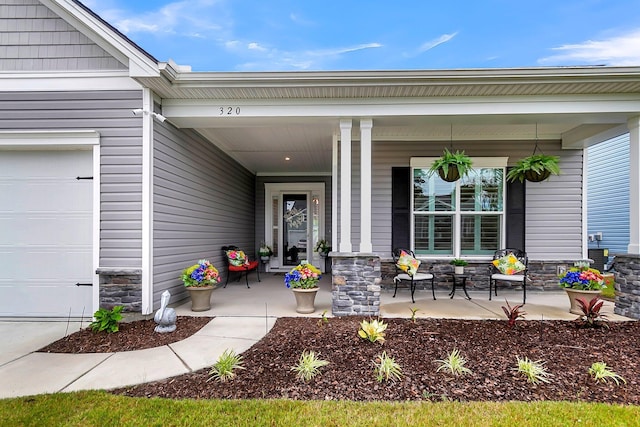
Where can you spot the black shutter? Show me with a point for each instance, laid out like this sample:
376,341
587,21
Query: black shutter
400,207
515,212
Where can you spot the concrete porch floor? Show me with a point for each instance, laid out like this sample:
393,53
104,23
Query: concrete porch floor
270,298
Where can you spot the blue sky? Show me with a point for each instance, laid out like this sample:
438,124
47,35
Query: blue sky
290,35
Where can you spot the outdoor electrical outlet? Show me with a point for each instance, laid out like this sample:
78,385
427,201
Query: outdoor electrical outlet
561,269
599,236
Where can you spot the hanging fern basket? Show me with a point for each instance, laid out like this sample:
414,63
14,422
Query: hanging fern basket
533,176
452,174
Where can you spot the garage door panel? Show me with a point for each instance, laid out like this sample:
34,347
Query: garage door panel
45,233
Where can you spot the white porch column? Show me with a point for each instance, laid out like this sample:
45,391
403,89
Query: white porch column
634,185
365,185
345,185
334,193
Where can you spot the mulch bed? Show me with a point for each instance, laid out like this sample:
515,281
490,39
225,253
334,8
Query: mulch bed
489,346
136,335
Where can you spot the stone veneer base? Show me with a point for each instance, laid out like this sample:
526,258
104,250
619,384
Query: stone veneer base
355,284
121,286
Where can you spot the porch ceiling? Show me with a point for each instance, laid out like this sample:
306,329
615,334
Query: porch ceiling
296,115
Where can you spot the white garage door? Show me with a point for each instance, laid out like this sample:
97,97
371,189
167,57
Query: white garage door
45,233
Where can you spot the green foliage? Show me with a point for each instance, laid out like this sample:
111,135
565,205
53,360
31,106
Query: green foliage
373,331
600,372
591,316
414,310
107,320
101,408
386,368
323,318
449,159
308,365
537,163
454,363
223,369
513,313
459,262
534,371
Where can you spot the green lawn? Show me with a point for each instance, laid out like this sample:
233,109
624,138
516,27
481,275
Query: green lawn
103,409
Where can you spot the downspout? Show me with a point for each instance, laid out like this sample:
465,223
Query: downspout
147,202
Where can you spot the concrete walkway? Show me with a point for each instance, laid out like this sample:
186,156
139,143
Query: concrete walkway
242,317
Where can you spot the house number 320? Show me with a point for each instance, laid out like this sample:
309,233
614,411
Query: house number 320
229,111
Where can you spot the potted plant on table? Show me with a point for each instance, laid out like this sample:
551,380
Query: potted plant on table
323,248
451,166
200,280
581,281
535,168
265,252
303,281
458,265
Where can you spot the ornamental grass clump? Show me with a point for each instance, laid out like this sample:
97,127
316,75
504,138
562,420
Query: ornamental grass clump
201,274
454,363
303,276
600,372
308,365
534,371
223,369
386,368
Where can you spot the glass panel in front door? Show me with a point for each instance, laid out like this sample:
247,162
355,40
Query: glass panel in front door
295,228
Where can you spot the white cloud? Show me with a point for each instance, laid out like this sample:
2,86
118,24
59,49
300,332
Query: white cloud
623,50
190,18
275,59
436,42
256,46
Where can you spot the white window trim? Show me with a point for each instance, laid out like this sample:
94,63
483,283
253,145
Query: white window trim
478,162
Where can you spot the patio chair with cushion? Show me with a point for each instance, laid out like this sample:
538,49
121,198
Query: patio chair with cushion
406,266
239,262
509,265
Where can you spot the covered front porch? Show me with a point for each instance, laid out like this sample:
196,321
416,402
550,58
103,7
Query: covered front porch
271,299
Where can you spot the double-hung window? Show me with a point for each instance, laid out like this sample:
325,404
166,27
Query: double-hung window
462,218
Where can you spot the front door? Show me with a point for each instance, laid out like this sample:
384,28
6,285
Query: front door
294,223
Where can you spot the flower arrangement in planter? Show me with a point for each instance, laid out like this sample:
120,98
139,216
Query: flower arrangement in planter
303,281
581,281
534,168
302,276
322,247
201,274
452,166
200,280
265,252
582,277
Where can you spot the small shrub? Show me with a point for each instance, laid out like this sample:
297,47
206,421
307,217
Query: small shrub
308,365
534,371
372,331
386,368
414,310
591,317
454,363
107,320
513,313
223,369
323,318
600,372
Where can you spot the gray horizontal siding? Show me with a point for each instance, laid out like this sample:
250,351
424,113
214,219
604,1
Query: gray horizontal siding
554,213
109,113
608,193
202,200
33,38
